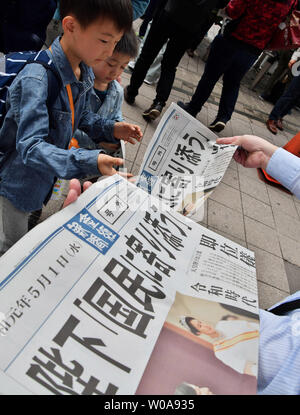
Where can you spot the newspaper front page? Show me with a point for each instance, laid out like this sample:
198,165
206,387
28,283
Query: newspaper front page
183,164
119,294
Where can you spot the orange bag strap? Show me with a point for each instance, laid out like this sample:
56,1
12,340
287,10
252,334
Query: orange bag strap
71,101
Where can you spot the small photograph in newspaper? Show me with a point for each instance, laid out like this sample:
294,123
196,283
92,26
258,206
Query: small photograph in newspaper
183,164
204,348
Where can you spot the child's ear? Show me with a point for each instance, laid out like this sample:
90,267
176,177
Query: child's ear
69,24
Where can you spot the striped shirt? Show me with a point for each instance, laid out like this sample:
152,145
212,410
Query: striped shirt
285,168
279,344
279,352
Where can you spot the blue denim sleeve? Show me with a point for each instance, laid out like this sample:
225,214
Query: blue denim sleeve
37,149
139,7
118,115
97,127
285,168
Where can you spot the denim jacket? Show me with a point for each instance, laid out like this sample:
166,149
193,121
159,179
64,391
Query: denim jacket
139,7
110,108
35,141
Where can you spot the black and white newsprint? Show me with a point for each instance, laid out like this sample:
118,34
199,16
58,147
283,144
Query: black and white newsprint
183,164
120,294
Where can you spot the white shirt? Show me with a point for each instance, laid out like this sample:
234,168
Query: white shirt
285,168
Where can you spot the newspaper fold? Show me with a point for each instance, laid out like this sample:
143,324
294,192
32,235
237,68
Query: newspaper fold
183,164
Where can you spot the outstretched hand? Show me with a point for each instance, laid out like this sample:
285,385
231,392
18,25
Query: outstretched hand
75,191
75,188
127,132
107,164
252,152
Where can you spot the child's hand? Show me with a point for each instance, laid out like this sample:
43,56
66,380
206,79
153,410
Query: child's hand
127,132
106,164
75,191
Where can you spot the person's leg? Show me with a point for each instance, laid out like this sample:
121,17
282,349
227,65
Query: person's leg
175,49
157,36
241,63
148,15
218,60
284,58
287,100
199,36
154,71
13,224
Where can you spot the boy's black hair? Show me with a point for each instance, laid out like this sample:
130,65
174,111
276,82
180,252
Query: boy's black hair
128,45
87,11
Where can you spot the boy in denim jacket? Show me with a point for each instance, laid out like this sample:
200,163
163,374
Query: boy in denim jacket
34,140
107,96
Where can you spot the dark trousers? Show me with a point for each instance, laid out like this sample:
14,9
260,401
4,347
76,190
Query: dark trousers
287,101
200,36
148,16
284,58
229,58
162,29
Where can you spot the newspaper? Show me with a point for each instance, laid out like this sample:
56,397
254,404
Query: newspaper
183,164
108,296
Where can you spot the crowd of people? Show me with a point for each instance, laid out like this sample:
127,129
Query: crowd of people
95,47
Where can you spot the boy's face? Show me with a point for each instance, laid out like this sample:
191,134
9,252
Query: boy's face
95,42
110,69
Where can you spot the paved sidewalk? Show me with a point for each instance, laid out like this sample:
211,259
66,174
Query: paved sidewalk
242,208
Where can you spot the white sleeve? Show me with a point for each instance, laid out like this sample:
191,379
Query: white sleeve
285,168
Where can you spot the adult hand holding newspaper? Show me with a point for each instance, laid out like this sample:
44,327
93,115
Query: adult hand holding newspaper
252,151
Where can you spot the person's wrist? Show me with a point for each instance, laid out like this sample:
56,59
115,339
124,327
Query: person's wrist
268,153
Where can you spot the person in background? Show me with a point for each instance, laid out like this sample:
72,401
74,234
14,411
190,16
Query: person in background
212,18
279,78
234,51
139,7
147,17
178,22
288,99
153,73
23,24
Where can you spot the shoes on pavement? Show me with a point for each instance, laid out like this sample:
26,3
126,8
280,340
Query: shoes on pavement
279,124
187,108
272,126
154,111
217,126
128,98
